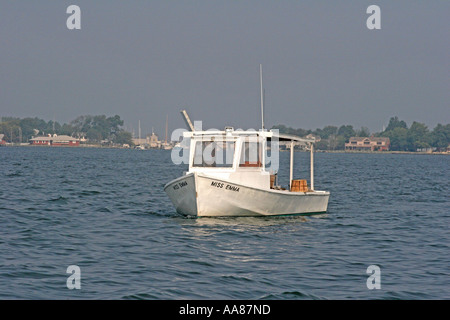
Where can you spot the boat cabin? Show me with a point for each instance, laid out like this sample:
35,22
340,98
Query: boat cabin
241,156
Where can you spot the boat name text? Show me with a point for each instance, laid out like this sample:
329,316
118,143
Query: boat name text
180,185
222,185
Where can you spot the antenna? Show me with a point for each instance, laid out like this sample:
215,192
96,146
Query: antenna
262,97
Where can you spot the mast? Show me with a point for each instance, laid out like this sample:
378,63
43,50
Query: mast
139,129
167,123
262,97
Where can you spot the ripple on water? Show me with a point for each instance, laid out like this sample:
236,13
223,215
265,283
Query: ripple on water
105,210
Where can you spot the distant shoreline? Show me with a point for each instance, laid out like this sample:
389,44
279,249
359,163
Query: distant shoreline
375,152
317,151
385,152
89,146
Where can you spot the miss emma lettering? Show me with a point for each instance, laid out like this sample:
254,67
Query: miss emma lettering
224,186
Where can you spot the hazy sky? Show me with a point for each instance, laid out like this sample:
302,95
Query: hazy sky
144,60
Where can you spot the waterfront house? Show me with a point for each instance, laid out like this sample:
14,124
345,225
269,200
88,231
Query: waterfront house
55,140
367,144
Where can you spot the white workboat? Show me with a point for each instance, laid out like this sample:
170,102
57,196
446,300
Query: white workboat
226,178
229,176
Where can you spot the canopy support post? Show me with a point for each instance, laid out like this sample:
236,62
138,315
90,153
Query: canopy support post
291,172
312,166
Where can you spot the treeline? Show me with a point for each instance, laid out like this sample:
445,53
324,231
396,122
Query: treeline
97,129
402,138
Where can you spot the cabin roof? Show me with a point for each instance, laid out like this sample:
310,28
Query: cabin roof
236,133
282,137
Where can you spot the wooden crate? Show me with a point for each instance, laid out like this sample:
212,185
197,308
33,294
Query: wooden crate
299,186
272,181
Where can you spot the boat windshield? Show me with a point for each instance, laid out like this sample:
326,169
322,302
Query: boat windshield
213,153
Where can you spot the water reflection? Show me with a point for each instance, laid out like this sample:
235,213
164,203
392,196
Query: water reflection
245,221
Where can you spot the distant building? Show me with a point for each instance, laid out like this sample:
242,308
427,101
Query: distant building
368,144
139,142
2,142
55,140
427,150
153,141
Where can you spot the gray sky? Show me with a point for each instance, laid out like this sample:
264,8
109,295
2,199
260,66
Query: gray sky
148,59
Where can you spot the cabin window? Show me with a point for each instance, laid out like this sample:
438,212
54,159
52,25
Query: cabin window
219,154
251,153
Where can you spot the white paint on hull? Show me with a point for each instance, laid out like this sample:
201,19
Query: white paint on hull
196,194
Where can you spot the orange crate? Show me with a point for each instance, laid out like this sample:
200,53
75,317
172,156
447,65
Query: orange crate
299,186
272,181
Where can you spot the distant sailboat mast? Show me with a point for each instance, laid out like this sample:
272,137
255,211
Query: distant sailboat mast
139,124
167,123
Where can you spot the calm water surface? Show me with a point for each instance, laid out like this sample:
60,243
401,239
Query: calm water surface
105,211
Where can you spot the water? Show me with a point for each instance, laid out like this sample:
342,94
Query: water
105,211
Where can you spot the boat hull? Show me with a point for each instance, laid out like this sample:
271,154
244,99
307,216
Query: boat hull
200,195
